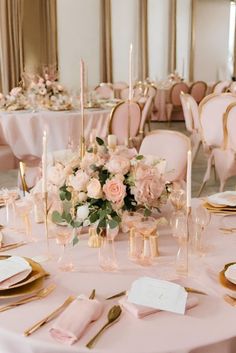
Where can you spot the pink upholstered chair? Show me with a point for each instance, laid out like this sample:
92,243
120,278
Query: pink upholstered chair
175,102
125,121
137,93
198,90
171,146
118,86
105,90
211,111
221,86
150,91
191,117
224,156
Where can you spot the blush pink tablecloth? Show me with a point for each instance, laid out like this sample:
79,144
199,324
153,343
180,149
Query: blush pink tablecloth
23,130
207,328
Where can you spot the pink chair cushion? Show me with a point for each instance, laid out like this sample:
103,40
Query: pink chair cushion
173,147
211,118
175,92
198,90
119,121
105,91
7,159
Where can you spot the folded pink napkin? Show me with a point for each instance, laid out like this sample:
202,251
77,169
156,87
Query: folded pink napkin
140,311
71,324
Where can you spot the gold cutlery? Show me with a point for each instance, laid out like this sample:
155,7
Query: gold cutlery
230,300
228,230
92,295
188,289
42,293
49,317
112,317
11,246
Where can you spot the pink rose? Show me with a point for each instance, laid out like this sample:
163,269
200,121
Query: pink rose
79,181
143,171
94,189
125,152
148,190
115,190
118,165
56,175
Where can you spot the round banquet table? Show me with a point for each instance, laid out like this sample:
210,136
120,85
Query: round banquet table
23,130
208,327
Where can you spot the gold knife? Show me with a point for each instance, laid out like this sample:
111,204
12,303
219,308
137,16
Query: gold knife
188,289
12,246
49,317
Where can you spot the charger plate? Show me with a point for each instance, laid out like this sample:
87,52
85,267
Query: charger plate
219,209
226,198
23,290
37,273
224,281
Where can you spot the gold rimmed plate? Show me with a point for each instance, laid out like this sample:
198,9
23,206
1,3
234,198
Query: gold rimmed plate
224,281
37,273
23,290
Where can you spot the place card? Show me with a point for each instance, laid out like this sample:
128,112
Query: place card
158,294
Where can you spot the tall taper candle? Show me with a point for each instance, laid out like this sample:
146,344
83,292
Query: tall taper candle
130,71
189,179
82,106
44,163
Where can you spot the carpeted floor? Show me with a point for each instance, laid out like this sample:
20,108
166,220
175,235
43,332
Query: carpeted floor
9,178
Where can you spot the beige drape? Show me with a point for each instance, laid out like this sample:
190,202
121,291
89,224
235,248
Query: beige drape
172,36
234,69
48,42
106,42
143,39
11,47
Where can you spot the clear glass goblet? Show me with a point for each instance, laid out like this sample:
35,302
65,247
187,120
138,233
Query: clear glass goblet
64,236
178,199
200,218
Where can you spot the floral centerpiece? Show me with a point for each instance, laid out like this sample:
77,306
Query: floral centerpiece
15,100
106,183
49,93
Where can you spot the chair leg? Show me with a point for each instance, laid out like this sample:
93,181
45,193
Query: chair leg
201,188
214,168
196,153
149,125
222,185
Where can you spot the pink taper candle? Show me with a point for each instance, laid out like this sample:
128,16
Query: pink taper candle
130,72
189,179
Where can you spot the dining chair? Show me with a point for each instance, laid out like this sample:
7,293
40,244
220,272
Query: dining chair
232,87
118,86
171,146
198,90
224,156
125,120
104,91
150,90
211,111
192,124
221,86
137,93
175,102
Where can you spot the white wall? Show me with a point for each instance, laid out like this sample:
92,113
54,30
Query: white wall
183,37
158,13
78,37
124,14
211,39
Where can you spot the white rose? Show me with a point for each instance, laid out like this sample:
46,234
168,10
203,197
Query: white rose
56,175
79,181
82,213
94,189
82,197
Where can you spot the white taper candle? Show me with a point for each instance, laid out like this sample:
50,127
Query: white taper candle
130,72
44,163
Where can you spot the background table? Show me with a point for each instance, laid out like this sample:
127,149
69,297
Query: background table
209,327
23,130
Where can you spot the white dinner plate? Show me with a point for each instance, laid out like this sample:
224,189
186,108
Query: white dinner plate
230,273
226,198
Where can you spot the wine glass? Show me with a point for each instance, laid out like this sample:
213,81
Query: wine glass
9,197
23,209
64,235
178,224
200,218
178,199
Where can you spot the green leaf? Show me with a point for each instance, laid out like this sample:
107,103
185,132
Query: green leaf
68,195
112,223
147,212
56,217
102,214
94,217
139,157
99,141
75,240
68,218
102,223
76,224
62,195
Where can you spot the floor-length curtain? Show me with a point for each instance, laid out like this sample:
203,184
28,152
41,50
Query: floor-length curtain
143,40
172,36
11,47
106,42
48,19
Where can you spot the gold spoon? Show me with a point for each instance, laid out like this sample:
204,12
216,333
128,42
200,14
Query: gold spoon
112,316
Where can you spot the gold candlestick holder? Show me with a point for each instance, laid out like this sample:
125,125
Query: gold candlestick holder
82,147
45,199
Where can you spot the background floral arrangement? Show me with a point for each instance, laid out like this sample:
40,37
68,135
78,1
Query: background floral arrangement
15,100
106,183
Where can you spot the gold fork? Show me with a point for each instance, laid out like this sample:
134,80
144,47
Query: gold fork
49,317
42,293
